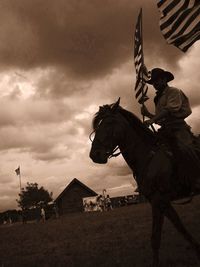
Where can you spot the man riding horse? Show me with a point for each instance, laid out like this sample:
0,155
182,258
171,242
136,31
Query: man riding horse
153,169
171,108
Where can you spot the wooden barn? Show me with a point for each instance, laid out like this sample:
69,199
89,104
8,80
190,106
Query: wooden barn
70,200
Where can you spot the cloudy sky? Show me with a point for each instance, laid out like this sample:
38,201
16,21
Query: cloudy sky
60,60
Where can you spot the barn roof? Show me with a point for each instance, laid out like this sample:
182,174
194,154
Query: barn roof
76,181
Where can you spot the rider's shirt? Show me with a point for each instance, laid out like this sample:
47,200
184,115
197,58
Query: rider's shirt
175,102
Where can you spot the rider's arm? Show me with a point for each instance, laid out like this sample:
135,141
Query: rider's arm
159,116
145,112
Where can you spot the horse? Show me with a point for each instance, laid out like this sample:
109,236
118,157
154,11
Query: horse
152,166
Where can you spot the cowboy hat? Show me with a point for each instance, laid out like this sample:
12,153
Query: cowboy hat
160,73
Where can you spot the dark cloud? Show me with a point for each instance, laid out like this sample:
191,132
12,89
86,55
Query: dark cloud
84,38
51,155
57,84
43,142
24,112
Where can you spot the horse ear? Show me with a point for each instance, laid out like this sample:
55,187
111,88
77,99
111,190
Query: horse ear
116,105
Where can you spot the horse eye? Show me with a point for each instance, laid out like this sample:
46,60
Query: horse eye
100,122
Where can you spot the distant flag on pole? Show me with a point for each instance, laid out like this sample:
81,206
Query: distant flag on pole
141,72
18,171
180,22
19,174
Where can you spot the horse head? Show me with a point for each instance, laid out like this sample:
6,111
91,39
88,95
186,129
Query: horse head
108,126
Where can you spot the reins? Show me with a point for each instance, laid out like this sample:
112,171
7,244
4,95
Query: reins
113,154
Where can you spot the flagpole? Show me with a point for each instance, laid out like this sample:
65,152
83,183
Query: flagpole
20,183
141,27
18,173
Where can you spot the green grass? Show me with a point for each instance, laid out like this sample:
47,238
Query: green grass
117,238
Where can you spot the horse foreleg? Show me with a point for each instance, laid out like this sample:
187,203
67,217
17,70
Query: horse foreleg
158,219
172,215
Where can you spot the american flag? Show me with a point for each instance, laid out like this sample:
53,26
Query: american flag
141,71
180,22
18,171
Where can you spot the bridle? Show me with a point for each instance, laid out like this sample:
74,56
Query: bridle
113,152
110,154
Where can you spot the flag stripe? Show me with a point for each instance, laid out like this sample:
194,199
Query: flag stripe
166,20
140,90
172,20
186,37
179,22
190,42
172,5
190,38
162,4
190,24
182,23
137,84
140,86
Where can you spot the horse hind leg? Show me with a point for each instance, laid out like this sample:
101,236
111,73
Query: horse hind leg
172,215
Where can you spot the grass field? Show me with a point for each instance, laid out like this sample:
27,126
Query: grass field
117,238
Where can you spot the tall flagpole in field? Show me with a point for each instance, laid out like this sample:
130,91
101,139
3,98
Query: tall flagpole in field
18,173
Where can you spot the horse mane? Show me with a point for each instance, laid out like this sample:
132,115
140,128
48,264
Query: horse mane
100,115
138,125
134,121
